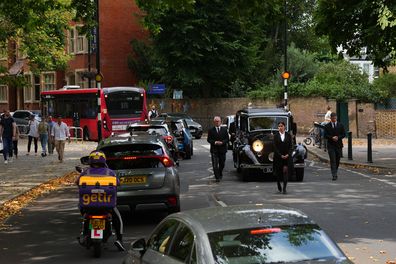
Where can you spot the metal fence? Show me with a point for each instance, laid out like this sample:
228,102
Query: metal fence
76,133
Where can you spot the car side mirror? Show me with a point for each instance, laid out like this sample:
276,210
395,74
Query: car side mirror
85,160
139,245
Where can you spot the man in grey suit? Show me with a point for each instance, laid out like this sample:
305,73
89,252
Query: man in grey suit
334,133
218,139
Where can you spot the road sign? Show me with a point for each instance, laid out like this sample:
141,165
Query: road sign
156,89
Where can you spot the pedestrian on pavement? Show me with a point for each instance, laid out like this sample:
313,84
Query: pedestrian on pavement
327,116
43,129
326,120
15,142
283,162
33,134
51,143
218,139
7,135
152,113
60,133
334,133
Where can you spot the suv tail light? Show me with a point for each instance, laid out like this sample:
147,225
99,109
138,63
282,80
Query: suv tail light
167,162
168,139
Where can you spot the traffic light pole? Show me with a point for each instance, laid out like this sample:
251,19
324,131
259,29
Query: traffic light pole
285,54
98,76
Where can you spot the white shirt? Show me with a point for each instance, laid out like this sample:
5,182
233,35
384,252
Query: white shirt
33,128
282,136
327,116
60,132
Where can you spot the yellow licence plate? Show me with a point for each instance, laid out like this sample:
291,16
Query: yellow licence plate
133,180
97,223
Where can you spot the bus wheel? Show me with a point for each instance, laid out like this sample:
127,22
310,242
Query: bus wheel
86,134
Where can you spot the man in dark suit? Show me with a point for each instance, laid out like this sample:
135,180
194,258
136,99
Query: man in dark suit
218,139
334,133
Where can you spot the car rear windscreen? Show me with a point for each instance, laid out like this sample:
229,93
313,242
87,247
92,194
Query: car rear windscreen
285,244
133,156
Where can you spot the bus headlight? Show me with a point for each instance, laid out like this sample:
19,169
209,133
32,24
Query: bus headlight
258,145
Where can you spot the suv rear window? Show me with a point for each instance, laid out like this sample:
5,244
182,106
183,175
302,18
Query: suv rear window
133,156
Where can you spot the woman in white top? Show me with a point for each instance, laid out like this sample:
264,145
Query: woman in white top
33,134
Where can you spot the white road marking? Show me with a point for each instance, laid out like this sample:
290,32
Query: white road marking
393,184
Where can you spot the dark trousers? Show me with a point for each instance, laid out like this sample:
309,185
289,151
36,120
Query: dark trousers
15,147
218,160
30,143
7,147
334,155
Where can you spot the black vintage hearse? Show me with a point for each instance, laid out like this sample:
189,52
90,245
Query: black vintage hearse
253,149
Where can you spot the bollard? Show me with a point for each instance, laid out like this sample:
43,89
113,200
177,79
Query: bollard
350,145
369,148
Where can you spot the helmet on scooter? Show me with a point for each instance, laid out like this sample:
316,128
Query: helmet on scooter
97,157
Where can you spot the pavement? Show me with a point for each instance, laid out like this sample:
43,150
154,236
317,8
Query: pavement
29,171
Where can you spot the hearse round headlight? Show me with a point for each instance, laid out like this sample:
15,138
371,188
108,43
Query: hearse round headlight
271,156
258,145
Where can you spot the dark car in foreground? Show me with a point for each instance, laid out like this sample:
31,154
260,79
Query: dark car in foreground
147,172
194,127
253,149
237,234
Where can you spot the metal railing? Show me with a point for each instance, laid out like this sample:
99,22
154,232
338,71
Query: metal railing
76,133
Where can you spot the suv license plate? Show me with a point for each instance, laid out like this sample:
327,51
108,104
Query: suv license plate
133,180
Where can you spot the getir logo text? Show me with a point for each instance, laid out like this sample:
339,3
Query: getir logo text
96,197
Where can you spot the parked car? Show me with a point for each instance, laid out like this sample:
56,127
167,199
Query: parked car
158,129
21,118
253,149
194,127
180,129
146,171
237,234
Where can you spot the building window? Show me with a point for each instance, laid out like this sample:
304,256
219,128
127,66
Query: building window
81,42
366,68
72,39
71,79
3,93
81,81
37,88
49,81
27,90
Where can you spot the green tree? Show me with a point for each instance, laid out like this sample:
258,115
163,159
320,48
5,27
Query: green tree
360,23
38,27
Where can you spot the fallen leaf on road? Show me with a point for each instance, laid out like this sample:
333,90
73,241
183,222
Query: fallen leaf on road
15,205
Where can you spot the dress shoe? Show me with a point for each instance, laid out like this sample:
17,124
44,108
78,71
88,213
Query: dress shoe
284,191
217,180
334,178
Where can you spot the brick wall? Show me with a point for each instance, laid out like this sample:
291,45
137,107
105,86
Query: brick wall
385,122
363,118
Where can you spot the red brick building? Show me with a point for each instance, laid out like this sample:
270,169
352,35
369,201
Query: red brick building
118,25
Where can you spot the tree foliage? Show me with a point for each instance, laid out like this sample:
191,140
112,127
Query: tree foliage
38,27
360,23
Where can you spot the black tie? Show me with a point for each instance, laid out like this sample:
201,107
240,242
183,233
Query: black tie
218,129
334,125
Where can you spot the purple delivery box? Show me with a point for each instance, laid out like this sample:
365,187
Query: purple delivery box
97,192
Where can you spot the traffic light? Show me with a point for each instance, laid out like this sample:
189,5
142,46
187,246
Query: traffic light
286,75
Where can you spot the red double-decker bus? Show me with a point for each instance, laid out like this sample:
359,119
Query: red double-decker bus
119,106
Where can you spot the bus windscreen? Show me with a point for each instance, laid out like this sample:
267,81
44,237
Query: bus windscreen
124,104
